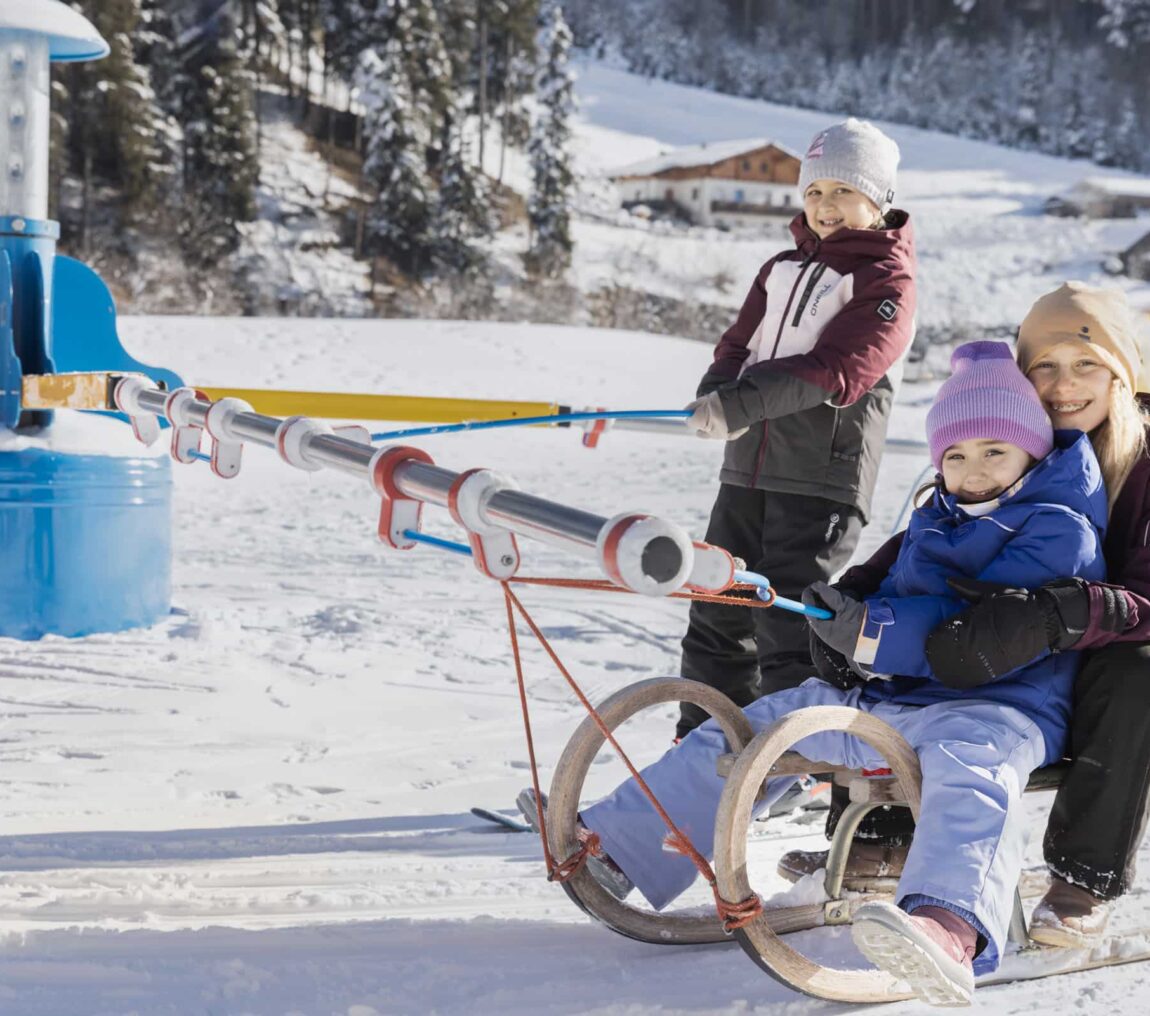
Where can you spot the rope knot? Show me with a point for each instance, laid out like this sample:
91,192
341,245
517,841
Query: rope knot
738,915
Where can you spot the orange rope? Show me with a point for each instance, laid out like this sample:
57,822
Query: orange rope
733,915
603,586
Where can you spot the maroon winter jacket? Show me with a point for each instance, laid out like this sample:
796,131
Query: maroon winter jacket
811,363
1127,552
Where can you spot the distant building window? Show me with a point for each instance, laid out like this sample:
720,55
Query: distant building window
765,166
694,193
747,164
786,200
767,199
738,197
638,194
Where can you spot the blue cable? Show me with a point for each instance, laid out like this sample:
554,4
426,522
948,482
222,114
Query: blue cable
763,592
524,421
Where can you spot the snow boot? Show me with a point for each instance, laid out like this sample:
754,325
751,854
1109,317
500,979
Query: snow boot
1069,916
871,867
605,871
931,950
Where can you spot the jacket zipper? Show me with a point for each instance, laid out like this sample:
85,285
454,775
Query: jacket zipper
775,348
814,281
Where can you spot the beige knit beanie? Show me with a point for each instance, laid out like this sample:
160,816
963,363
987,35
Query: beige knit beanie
1076,312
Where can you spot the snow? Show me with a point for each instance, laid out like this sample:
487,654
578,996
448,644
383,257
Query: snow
260,806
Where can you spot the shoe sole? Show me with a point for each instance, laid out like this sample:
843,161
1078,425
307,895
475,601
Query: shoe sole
890,950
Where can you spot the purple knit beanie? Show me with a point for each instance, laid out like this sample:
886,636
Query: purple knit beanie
987,396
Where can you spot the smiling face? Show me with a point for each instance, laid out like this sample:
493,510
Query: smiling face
1074,386
980,469
831,205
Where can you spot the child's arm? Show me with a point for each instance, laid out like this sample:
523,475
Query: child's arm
892,638
855,350
732,349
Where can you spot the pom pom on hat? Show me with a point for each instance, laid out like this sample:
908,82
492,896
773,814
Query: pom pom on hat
987,397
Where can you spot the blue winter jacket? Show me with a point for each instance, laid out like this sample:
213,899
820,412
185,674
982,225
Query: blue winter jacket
1049,525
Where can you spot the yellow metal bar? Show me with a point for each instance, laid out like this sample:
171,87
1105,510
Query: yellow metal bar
67,391
405,408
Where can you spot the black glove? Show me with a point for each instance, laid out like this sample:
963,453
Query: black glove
831,665
1007,628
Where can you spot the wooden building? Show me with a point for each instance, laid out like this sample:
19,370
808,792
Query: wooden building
726,183
1103,197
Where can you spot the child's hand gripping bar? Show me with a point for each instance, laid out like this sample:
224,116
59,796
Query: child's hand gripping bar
763,592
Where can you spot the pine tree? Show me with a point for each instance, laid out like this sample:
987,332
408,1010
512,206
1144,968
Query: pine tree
552,176
463,218
212,96
117,128
399,221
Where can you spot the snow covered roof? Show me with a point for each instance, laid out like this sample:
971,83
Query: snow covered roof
71,36
1124,186
706,154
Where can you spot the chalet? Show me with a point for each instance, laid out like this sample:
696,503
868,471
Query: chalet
1103,197
726,183
1136,259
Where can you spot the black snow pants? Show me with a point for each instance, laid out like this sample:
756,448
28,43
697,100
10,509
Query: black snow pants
793,540
1099,813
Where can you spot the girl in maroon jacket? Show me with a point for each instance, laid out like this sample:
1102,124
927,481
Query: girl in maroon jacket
801,388
1079,349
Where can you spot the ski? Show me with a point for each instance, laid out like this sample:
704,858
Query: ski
499,819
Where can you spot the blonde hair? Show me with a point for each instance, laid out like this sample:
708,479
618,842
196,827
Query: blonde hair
1120,440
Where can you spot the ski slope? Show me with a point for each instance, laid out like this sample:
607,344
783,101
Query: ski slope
260,806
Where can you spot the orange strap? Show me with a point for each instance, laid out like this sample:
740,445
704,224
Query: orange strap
733,915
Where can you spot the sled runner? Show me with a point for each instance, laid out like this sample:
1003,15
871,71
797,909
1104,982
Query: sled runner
752,761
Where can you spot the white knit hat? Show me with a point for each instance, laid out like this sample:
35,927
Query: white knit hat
858,153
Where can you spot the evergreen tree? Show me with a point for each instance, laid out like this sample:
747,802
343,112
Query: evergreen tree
552,177
399,222
212,96
117,128
463,217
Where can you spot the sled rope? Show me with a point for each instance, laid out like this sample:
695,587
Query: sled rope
733,915
605,586
551,419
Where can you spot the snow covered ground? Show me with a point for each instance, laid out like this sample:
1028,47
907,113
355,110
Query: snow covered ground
260,806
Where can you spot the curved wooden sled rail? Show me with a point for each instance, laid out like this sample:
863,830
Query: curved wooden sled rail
761,939
563,808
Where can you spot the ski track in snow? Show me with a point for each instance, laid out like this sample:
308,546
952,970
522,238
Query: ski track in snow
259,807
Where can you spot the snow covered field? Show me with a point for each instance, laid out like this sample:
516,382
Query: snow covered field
260,806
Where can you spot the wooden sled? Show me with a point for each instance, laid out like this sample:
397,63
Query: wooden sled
755,759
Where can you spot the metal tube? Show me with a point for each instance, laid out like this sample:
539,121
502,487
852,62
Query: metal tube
515,510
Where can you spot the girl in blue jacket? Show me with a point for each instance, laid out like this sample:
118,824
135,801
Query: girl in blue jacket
1014,503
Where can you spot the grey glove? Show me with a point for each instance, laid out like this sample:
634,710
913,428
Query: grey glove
708,420
841,632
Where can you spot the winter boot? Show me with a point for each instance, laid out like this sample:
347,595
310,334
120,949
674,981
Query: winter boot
1069,916
605,871
871,867
932,950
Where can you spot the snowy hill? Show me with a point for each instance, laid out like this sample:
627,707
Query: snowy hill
260,806
986,251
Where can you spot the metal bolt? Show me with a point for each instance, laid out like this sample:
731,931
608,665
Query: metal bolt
507,560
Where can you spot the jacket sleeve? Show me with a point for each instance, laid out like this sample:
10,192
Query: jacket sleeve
732,350
1133,582
858,346
865,578
1052,545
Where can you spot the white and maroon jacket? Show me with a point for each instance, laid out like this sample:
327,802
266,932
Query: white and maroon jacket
812,362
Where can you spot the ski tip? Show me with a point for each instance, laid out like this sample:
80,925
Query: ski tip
505,821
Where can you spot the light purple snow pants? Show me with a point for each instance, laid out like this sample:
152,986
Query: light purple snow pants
976,758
